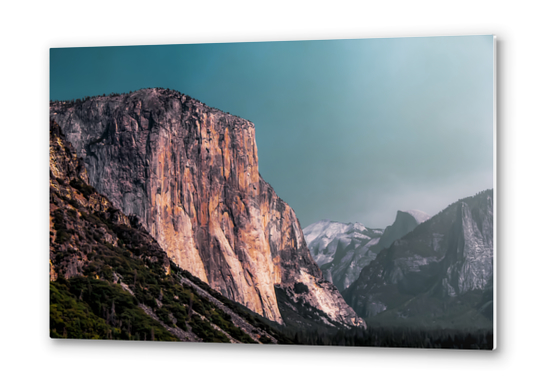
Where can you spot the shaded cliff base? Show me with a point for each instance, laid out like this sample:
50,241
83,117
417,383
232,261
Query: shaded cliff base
111,280
383,330
396,337
472,310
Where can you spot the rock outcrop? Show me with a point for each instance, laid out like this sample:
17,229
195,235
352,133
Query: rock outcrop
71,239
190,174
440,274
405,221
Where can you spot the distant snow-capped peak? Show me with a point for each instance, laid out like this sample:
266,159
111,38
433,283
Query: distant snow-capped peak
330,229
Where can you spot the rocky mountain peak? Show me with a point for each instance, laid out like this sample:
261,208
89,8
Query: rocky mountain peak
405,221
342,250
439,274
190,174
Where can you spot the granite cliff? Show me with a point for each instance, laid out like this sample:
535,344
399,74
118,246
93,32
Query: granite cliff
189,173
109,279
438,275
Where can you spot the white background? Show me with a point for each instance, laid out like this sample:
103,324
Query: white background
29,30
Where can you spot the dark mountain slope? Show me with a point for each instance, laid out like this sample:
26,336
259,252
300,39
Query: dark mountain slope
405,222
438,275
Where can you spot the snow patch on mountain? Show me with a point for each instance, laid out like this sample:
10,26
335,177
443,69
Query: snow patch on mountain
342,250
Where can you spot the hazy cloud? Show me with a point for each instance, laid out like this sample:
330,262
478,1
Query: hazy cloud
348,130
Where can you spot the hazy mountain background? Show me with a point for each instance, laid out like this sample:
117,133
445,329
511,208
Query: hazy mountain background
438,275
342,250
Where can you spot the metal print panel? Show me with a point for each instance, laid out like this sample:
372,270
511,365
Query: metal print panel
334,193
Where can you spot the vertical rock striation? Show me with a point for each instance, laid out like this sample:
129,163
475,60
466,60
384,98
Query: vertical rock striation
190,174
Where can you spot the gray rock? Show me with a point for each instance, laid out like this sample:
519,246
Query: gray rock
343,250
440,274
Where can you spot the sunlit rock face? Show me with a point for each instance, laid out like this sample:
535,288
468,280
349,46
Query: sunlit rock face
190,173
441,273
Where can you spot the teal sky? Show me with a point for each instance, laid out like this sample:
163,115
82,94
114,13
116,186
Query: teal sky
347,130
